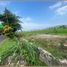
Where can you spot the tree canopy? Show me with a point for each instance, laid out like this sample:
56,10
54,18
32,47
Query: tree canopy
10,21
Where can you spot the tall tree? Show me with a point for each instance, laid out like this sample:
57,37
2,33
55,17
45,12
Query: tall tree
9,19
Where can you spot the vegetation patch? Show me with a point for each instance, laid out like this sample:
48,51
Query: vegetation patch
58,30
27,52
6,49
55,47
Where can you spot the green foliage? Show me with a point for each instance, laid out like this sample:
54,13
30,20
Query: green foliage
1,28
17,51
10,19
7,48
60,30
31,54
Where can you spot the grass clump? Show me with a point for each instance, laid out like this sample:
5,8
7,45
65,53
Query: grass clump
31,53
20,50
6,49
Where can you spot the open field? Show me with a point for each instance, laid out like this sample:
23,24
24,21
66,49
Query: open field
53,40
53,31
50,40
57,45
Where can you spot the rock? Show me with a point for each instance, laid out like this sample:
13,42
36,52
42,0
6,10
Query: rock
63,62
49,59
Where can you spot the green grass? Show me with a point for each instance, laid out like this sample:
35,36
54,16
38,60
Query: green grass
58,31
6,49
31,54
18,50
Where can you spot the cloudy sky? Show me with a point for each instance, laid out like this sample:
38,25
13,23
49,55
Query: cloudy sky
38,15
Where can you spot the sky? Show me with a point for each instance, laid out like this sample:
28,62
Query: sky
37,15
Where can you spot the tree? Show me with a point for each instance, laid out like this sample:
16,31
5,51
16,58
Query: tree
10,22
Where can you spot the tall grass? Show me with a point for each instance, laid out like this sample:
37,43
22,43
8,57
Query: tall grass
31,53
19,50
6,49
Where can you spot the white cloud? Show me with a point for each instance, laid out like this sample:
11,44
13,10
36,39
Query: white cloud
4,3
28,19
29,25
32,26
61,10
58,4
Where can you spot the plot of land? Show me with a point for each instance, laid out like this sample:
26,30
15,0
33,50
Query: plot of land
55,44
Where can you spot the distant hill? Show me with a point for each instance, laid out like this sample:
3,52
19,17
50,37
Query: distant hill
60,26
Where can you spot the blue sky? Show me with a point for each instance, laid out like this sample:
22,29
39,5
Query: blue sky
38,15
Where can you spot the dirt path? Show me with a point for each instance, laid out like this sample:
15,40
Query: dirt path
1,38
49,36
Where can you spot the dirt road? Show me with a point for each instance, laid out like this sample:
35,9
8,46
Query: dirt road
49,36
1,38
